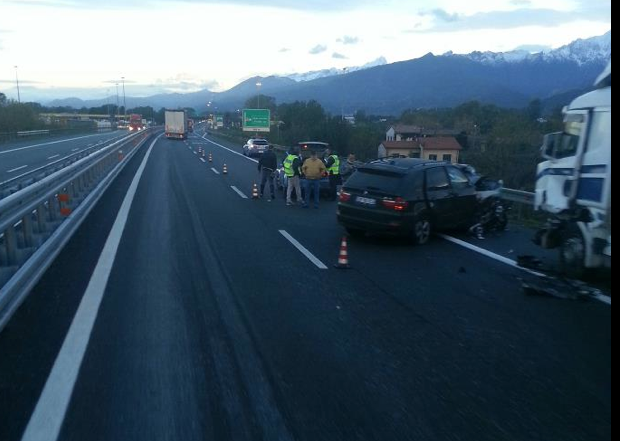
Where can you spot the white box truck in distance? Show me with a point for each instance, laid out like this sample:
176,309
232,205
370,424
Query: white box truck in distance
176,124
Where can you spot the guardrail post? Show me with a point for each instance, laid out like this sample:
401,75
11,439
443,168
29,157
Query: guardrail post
51,208
41,219
27,230
10,241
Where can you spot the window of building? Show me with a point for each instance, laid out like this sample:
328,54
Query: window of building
447,157
432,157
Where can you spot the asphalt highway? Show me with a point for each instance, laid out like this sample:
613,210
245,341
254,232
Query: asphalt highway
208,315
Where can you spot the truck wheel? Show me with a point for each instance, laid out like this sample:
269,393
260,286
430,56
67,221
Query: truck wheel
573,253
421,230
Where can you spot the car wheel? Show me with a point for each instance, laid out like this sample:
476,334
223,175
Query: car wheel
422,230
355,232
573,253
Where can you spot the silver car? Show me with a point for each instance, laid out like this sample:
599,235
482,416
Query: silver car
255,147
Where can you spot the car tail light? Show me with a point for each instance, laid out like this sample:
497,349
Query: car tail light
344,196
398,204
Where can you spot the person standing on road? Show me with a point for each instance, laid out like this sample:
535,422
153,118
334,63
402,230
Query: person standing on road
292,165
332,162
313,170
267,165
348,167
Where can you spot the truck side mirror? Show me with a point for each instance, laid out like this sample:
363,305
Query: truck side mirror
550,141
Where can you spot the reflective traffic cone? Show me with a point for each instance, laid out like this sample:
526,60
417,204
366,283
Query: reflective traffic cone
202,154
224,170
343,257
120,155
254,191
210,157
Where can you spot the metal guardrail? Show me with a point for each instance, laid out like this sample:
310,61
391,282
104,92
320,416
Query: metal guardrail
37,222
20,182
519,196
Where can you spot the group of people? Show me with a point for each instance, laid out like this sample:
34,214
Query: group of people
312,169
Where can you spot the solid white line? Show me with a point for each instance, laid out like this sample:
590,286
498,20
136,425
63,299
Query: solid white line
15,169
203,159
303,250
509,262
45,143
239,192
49,414
215,171
54,156
230,150
490,254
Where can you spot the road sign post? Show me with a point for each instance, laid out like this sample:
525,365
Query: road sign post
256,120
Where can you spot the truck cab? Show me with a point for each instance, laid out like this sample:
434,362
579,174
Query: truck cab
574,182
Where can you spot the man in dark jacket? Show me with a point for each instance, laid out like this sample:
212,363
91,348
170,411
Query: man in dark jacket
267,165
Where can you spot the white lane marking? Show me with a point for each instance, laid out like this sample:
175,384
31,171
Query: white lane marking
509,262
195,153
239,192
53,156
203,159
48,415
15,169
75,150
303,250
45,143
230,150
215,171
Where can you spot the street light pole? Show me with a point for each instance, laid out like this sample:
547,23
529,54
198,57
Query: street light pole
19,99
258,97
124,100
117,109
344,71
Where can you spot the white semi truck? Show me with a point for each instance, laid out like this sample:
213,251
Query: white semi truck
176,124
574,183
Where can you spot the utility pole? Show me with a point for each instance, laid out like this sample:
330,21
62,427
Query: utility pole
258,96
19,99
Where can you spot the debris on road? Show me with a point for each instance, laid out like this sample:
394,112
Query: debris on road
559,288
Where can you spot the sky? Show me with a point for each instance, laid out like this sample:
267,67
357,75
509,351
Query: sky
84,48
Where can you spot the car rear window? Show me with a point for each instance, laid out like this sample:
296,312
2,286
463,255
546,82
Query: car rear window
376,180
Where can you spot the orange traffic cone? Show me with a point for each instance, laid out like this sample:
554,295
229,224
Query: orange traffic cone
343,257
210,157
224,170
254,191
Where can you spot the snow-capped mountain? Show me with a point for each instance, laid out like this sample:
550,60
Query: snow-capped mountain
309,76
580,51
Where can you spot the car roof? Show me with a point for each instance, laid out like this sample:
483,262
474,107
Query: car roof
401,165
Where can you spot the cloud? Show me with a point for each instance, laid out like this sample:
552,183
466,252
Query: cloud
284,49
521,2
319,48
338,56
445,22
119,81
348,40
441,14
306,5
21,82
533,48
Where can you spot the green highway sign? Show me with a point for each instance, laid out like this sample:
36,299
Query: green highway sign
256,120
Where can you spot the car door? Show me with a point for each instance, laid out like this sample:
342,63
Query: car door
464,196
439,197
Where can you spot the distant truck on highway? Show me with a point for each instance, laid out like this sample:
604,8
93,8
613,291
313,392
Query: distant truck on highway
135,123
574,183
176,125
